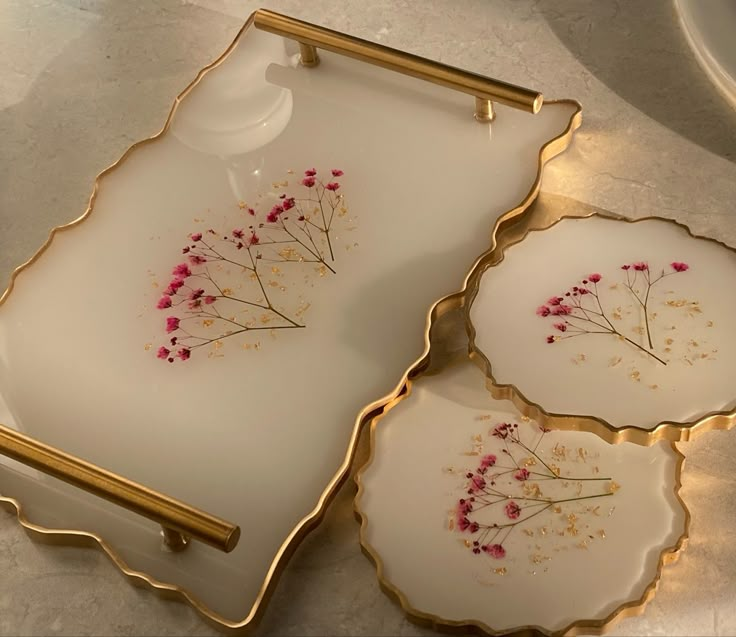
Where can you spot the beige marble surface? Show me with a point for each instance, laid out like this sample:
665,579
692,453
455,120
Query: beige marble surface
83,79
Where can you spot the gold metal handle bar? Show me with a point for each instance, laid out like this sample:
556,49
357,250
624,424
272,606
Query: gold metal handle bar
484,89
179,521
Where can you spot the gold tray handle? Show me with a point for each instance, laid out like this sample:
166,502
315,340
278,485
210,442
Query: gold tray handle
485,90
179,520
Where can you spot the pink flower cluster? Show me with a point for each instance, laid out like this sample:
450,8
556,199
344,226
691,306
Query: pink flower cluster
194,286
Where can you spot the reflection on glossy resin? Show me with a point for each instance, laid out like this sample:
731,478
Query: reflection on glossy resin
427,183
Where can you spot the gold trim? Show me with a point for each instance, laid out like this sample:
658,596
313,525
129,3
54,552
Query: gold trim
667,430
580,627
179,520
547,152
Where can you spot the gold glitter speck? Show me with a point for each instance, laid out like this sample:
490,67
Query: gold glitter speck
148,346
601,534
635,375
613,487
500,570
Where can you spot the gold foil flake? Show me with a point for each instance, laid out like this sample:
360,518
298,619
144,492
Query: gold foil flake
704,355
613,286
531,490
616,360
596,469
342,212
601,534
653,316
449,469
289,253
613,486
557,508
322,270
667,349
554,469
257,345
275,269
451,523
467,543
266,318
559,451
582,545
638,330
538,558
217,344
196,220
282,288
525,419
207,322
582,454
709,324
273,284
543,530
669,341
635,375
596,510
687,360
273,334
154,284
529,462
477,438
148,346
469,453
677,302
529,532
617,314
610,511
693,343
303,309
501,570
655,386
483,417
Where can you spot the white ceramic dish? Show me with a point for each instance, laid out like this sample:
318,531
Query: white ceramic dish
584,527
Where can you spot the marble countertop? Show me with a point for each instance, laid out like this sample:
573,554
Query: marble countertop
84,79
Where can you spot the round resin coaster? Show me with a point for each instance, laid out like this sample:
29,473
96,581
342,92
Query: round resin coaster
619,327
477,517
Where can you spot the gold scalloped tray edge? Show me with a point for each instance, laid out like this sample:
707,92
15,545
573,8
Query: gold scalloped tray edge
668,555
539,221
76,537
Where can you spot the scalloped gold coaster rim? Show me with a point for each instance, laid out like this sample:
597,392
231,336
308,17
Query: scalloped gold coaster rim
669,555
82,538
539,221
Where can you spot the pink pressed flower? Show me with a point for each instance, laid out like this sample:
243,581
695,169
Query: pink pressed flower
336,172
184,353
679,266
551,339
464,507
561,310
197,236
595,277
311,172
560,326
512,510
640,266
495,550
195,304
163,353
555,300
463,523
176,284
333,185
164,302
172,324
182,271
238,233
501,431
289,203
543,310
583,290
185,249
308,182
473,528
253,239
272,217
196,259
209,299
487,461
195,294
477,483
625,267
521,475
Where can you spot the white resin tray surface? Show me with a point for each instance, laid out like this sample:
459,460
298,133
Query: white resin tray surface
516,528
621,327
243,290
